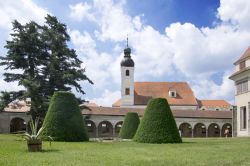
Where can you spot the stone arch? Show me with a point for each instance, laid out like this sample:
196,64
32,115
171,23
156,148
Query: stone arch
213,130
224,127
91,128
105,129
17,124
199,130
118,126
185,130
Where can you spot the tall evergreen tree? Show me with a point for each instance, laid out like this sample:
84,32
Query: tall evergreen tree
39,59
63,68
23,60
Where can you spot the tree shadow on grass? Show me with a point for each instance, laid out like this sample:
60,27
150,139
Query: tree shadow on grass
44,151
49,150
185,142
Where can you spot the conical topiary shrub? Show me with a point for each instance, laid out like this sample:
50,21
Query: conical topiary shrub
64,121
129,125
158,124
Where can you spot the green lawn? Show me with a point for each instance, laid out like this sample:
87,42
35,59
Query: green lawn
221,151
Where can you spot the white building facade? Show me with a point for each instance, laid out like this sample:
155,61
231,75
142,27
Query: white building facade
241,77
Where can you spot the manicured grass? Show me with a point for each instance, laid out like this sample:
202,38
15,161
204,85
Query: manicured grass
221,151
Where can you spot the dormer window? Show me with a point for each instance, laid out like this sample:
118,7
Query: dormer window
172,93
127,72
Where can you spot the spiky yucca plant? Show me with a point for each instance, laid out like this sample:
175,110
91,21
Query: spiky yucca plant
35,135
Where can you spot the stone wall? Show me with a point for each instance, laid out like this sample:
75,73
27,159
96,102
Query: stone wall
6,117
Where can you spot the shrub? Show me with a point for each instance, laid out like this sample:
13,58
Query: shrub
158,124
64,121
129,125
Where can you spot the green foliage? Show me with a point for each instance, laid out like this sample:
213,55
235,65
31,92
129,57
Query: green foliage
8,97
193,152
64,121
62,68
158,124
129,125
25,53
44,62
5,99
35,135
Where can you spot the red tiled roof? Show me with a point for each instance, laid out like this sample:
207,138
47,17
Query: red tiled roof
19,106
120,111
144,91
117,103
111,111
213,103
245,56
87,104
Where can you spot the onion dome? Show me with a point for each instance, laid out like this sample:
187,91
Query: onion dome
127,61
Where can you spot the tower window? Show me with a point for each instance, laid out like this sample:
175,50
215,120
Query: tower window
127,72
127,91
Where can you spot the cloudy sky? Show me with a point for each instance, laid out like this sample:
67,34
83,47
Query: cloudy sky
195,41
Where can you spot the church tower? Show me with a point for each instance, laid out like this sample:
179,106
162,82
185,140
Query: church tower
127,78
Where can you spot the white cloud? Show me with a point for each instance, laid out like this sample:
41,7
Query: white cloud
82,41
10,86
184,51
21,10
235,12
208,89
114,23
107,98
203,51
152,53
97,64
80,11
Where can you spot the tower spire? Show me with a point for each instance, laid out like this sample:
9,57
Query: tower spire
127,50
127,40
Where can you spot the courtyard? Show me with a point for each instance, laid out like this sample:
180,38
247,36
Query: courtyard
194,151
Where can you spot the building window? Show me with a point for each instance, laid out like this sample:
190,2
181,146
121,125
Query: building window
242,87
127,72
172,93
243,118
242,65
127,91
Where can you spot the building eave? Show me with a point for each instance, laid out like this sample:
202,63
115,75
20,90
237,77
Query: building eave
239,72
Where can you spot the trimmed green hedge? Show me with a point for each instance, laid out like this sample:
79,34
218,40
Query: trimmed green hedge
129,125
64,121
158,124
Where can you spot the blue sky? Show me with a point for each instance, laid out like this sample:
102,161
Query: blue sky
195,41
161,13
